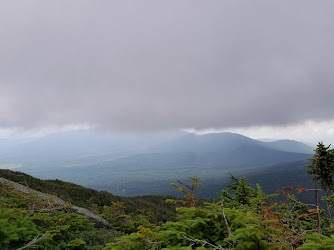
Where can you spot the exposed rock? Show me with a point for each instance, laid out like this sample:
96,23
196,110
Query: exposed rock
99,222
57,202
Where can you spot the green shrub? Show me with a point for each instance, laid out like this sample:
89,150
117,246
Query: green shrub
16,229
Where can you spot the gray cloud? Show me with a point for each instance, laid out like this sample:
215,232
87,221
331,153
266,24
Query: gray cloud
166,64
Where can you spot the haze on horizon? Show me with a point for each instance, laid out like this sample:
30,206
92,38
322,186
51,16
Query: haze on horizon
263,69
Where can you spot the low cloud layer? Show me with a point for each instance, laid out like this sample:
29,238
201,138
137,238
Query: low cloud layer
166,64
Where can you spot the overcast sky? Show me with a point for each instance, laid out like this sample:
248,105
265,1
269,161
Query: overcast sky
135,65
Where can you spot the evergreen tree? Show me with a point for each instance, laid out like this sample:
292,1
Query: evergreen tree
322,167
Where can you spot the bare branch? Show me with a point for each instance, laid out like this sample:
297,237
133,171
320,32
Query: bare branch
203,242
33,242
225,220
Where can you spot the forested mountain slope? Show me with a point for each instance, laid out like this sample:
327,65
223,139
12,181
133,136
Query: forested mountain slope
85,197
140,165
244,217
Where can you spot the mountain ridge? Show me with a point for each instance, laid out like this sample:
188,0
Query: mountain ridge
158,162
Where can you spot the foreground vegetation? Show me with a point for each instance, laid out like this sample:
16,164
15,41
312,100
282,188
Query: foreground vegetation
243,217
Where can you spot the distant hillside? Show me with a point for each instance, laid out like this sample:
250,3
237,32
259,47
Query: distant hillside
74,148
228,142
144,165
290,146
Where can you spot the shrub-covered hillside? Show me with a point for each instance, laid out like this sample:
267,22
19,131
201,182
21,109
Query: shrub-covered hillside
242,217
86,197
